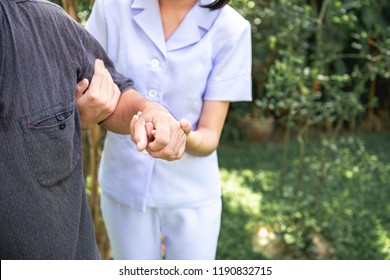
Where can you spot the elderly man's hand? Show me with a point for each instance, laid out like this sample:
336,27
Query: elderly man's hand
98,101
159,133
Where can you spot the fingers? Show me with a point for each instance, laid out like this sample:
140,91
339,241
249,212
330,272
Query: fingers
162,136
103,94
81,88
100,98
138,132
173,151
108,94
150,131
101,86
169,142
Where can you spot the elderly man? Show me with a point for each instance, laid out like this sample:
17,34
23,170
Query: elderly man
43,54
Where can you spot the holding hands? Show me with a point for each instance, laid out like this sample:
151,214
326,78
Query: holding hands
154,130
161,135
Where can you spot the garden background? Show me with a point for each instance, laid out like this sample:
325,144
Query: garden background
305,167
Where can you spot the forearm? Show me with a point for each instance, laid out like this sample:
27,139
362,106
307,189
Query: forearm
153,129
202,142
130,102
205,139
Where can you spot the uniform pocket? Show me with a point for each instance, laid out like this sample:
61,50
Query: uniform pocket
52,142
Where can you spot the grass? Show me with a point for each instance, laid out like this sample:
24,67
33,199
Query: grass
344,215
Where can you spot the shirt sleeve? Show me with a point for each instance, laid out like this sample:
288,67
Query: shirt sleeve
230,78
2,42
92,49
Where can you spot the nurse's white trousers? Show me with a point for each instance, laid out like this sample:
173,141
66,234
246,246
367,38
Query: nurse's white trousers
190,233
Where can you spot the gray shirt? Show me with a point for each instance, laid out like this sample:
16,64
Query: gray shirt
44,212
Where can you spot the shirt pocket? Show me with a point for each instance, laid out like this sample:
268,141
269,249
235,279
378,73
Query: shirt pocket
52,142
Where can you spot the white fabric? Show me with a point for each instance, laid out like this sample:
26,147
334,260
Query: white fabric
207,58
190,233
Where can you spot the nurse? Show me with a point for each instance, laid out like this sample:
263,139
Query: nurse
194,58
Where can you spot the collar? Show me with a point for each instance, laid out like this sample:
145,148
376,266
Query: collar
149,20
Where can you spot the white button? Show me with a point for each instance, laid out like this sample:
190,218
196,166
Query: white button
152,93
155,63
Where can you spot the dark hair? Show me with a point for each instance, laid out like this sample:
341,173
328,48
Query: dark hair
217,4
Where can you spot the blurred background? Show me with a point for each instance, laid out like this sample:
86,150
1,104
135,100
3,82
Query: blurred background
305,166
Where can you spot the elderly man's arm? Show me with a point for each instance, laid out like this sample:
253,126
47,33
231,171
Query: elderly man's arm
151,126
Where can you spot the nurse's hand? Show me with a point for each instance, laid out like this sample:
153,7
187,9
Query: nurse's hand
96,101
159,133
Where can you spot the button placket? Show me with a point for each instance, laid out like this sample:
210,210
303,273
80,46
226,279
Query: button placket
155,63
155,74
152,93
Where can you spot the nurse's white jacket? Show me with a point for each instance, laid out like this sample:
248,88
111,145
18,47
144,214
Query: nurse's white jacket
208,57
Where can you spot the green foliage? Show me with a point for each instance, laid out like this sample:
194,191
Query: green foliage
312,60
358,185
312,57
339,213
83,10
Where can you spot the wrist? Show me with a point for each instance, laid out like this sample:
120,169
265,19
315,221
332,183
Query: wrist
193,142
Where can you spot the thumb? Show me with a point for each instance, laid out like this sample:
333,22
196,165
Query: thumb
186,126
81,87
